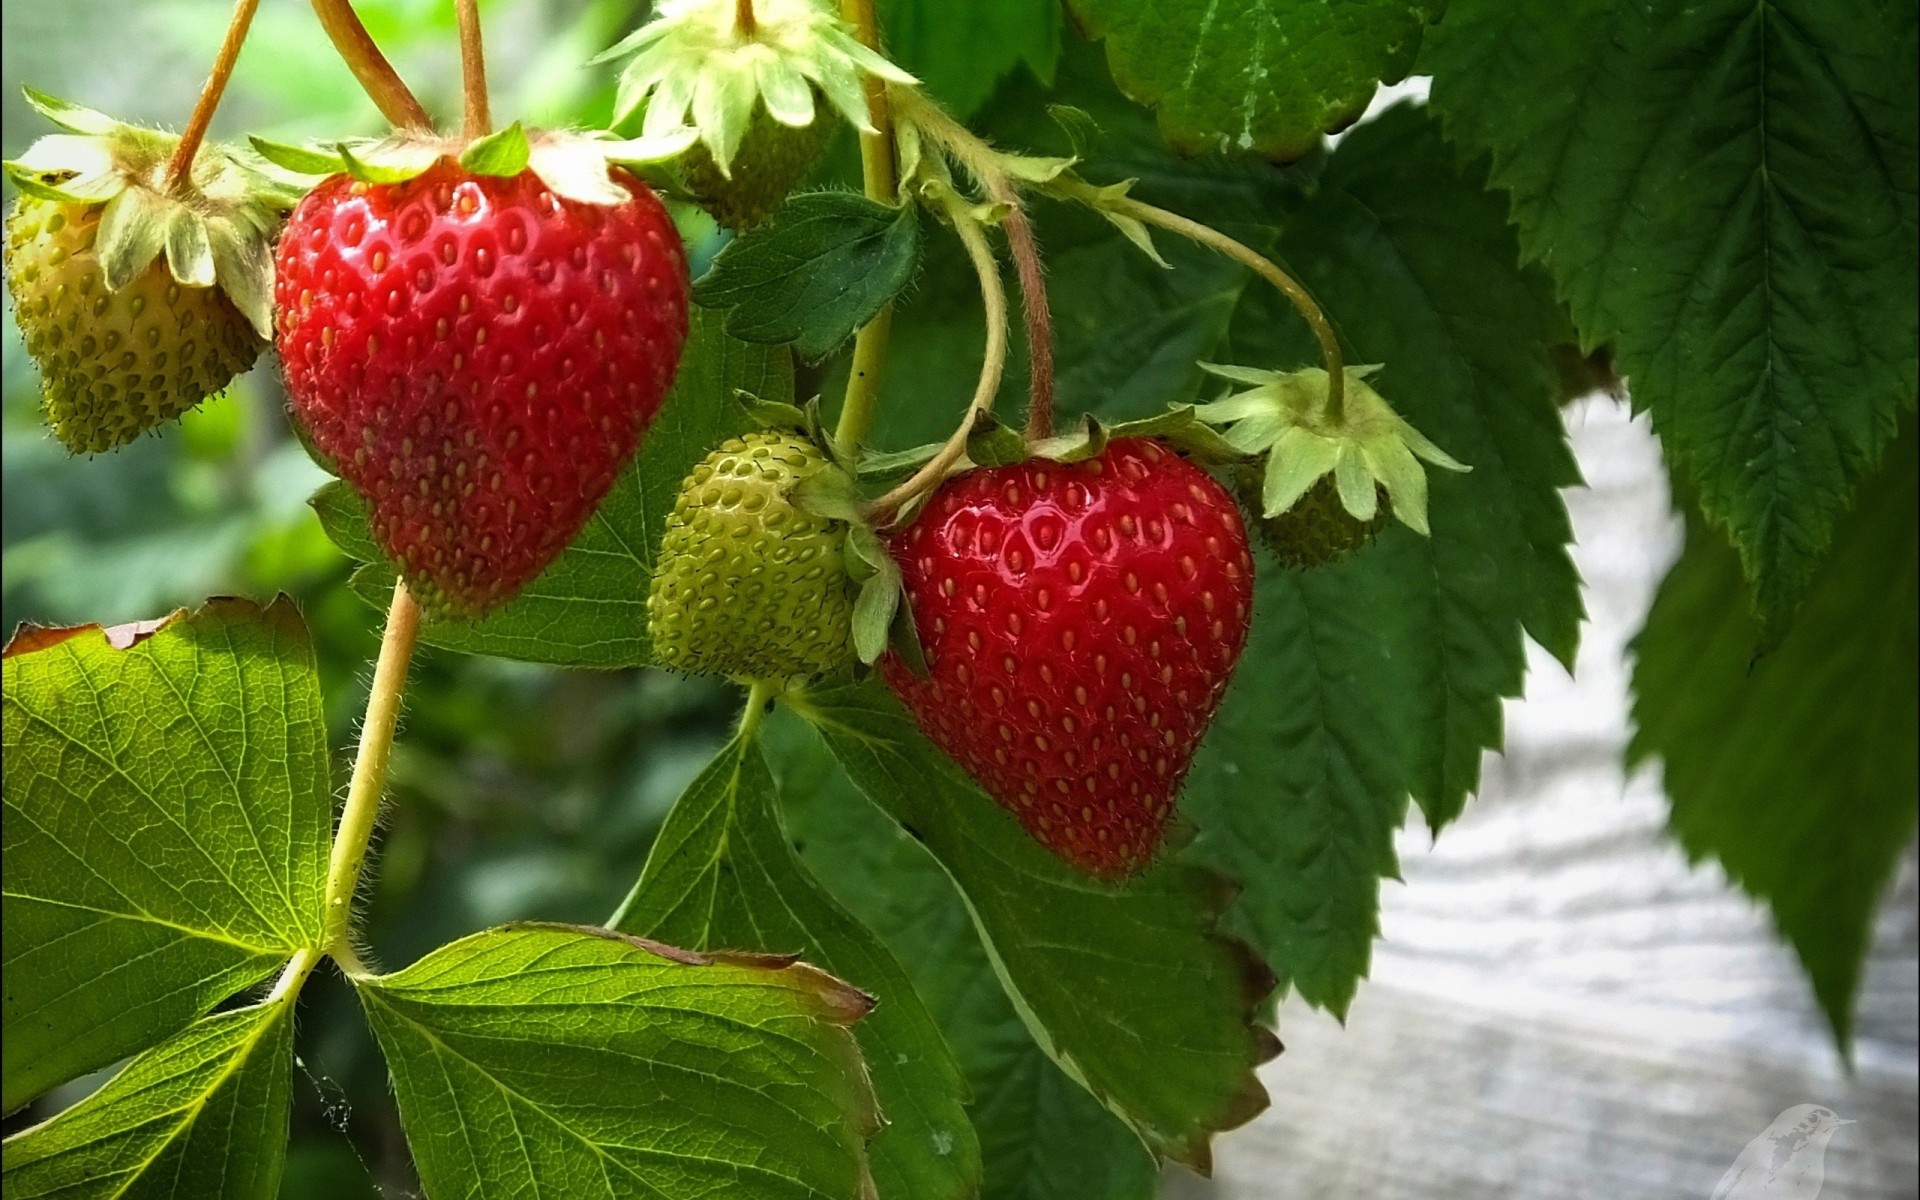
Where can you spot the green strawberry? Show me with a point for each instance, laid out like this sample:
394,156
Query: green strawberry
114,364
1318,529
749,583
139,295
772,160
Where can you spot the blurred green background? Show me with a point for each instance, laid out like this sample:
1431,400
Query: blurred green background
518,791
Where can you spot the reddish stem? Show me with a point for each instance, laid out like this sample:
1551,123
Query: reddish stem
180,166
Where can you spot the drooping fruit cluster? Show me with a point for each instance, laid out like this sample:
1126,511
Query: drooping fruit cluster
138,294
749,583
114,363
479,357
1080,623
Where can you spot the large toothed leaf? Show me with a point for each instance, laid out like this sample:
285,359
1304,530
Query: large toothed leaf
168,798
1725,192
590,607
821,269
1264,77
1130,989
201,1116
1385,674
563,1061
723,875
1796,770
1042,1136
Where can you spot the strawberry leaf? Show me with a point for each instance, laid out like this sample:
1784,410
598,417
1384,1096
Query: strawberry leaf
1724,192
1796,769
1042,1136
202,733
961,51
739,1074
202,1114
722,874
1130,989
824,265
1264,76
1386,673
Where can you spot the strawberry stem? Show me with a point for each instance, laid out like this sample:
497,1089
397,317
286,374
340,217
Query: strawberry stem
369,769
994,298
473,70
377,77
877,174
1264,267
1033,303
743,19
180,166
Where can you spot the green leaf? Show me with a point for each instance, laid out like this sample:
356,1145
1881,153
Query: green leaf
1385,674
1796,770
960,52
824,265
741,1076
201,1116
1724,192
1130,989
503,152
168,802
590,607
1042,1136
1266,77
723,874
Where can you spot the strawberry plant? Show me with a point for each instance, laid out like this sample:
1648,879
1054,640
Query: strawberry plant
1113,491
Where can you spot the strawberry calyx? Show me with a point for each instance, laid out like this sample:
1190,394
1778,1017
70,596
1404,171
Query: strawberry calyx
1365,448
574,165
701,68
215,227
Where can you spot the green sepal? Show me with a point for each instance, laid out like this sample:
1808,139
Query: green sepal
893,462
390,160
830,492
189,249
881,591
133,229
503,153
301,160
904,635
73,118
770,414
992,444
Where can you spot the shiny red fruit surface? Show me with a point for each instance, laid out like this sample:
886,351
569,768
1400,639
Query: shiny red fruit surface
480,359
1080,624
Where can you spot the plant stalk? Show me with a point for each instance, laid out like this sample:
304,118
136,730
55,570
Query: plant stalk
377,77
369,780
878,179
180,166
1264,267
478,121
743,18
993,364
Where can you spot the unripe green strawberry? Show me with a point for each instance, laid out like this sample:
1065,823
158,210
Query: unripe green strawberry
749,584
772,160
1318,529
114,364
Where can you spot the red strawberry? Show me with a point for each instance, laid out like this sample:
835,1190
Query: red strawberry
1080,623
479,358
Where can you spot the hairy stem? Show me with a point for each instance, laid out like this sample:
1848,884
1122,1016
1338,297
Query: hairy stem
370,767
1033,303
1264,267
877,175
743,18
478,121
294,975
377,77
994,298
180,166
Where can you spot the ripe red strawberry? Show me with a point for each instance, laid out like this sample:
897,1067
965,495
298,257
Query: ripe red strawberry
1080,624
479,358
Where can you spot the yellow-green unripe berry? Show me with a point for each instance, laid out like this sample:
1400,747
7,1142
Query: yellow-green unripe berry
772,160
749,584
1318,529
